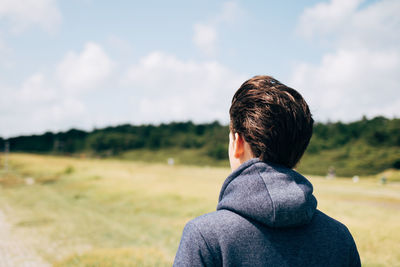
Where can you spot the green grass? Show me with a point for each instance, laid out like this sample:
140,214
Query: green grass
109,212
195,157
352,159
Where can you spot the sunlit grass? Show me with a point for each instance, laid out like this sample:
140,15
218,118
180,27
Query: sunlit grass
87,212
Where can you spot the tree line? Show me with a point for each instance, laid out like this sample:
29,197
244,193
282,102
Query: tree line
212,137
363,147
371,135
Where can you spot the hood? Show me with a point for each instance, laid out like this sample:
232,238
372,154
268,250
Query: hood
268,193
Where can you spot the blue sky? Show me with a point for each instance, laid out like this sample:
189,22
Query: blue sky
87,64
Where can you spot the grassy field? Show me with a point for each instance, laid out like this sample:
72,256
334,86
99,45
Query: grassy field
92,212
193,157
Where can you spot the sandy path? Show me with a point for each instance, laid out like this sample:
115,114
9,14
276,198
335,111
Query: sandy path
13,250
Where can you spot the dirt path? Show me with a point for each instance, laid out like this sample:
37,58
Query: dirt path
13,251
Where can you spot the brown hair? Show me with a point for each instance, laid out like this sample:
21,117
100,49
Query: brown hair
274,119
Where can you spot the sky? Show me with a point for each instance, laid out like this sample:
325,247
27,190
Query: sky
89,64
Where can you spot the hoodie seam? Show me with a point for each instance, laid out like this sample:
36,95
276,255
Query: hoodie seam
205,241
269,195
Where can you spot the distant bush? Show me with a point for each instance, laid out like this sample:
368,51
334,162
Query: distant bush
218,151
69,169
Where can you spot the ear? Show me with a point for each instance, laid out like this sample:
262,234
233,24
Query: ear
238,146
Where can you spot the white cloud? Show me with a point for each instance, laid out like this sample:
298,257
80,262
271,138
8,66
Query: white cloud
4,51
375,26
25,13
158,88
3,46
167,88
119,44
86,70
205,37
229,13
206,33
36,90
348,84
66,111
39,105
21,114
326,17
54,101
360,77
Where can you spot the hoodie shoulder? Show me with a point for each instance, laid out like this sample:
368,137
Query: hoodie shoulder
225,233
193,248
221,222
202,237
337,233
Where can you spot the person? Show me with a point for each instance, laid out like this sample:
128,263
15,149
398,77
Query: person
267,214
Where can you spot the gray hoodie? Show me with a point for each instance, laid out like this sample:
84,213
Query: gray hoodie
266,216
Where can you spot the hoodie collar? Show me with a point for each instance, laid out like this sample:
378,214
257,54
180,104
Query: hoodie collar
268,193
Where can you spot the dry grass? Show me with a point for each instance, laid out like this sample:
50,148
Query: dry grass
118,257
83,212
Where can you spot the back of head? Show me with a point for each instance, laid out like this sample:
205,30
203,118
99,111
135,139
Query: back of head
274,119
